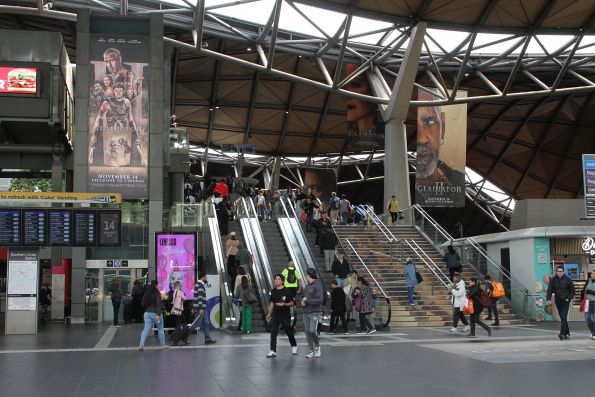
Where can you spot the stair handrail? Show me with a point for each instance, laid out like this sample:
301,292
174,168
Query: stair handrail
386,297
213,226
379,224
430,264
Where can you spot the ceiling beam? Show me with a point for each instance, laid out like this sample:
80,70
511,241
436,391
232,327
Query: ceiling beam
296,71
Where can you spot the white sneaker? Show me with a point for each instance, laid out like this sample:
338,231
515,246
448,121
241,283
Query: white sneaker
452,330
593,337
317,352
362,333
294,350
371,331
467,328
271,354
310,355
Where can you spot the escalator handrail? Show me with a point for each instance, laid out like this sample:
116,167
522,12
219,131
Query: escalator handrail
387,322
219,258
266,263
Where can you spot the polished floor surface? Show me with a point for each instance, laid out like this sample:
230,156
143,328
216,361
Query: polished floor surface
99,360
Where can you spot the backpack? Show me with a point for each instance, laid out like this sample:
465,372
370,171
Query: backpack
291,278
484,299
336,203
498,289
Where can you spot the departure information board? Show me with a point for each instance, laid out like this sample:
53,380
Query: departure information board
10,227
85,227
60,227
34,226
109,226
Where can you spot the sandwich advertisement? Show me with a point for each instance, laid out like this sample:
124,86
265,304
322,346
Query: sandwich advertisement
18,80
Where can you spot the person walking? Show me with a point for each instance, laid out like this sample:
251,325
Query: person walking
199,305
334,206
489,289
349,287
344,210
338,308
292,279
458,292
563,288
393,209
116,297
312,303
340,268
474,293
232,246
410,278
367,306
241,273
178,299
137,300
589,289
453,261
261,207
281,300
328,242
153,315
247,298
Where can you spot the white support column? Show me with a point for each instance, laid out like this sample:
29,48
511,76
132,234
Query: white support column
396,167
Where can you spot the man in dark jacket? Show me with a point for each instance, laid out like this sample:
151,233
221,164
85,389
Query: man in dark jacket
561,285
338,308
116,295
328,242
340,268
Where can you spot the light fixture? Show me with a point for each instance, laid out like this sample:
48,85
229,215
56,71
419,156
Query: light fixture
287,112
248,48
211,109
466,74
205,44
217,107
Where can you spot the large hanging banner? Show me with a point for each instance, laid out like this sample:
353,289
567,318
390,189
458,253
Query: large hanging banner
365,127
322,181
119,115
441,153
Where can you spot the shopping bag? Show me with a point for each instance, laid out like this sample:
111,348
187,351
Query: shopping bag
468,308
584,308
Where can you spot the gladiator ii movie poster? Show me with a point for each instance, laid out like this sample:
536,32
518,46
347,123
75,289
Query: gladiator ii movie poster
441,153
119,115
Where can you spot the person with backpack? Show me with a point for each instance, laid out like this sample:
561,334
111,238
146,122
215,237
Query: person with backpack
312,303
410,278
458,292
453,261
344,210
281,300
338,308
334,206
244,293
563,288
475,293
153,315
489,290
293,278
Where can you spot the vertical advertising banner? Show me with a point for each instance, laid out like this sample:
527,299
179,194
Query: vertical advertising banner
365,127
589,184
119,115
323,182
441,154
176,261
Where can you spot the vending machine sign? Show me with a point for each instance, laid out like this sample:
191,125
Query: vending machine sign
17,80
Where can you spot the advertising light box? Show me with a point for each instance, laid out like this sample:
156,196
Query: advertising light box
18,80
176,261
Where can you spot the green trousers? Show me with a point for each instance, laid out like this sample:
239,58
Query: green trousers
246,318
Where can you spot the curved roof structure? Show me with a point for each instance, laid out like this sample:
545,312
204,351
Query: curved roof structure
530,102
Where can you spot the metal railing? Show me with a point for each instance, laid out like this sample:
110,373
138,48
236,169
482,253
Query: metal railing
211,223
255,244
385,320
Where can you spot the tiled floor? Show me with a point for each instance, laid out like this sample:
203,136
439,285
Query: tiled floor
521,360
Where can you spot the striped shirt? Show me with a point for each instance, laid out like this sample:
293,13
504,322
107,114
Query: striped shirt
200,297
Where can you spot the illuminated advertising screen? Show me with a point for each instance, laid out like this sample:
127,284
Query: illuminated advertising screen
18,80
176,261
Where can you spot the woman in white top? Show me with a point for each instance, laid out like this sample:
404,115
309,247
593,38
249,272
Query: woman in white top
459,296
178,299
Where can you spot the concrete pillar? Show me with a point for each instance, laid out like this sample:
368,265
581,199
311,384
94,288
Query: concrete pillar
276,174
396,167
176,187
158,136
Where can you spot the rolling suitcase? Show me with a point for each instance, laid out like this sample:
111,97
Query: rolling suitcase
180,334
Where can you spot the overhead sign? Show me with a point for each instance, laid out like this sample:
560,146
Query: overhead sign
589,184
62,197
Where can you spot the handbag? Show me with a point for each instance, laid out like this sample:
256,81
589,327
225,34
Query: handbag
548,308
418,277
484,299
584,308
468,308
303,216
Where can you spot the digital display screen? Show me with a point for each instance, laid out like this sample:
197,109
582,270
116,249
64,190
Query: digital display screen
85,227
18,80
34,226
10,227
176,261
109,228
60,227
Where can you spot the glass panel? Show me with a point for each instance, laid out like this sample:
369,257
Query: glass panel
92,294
